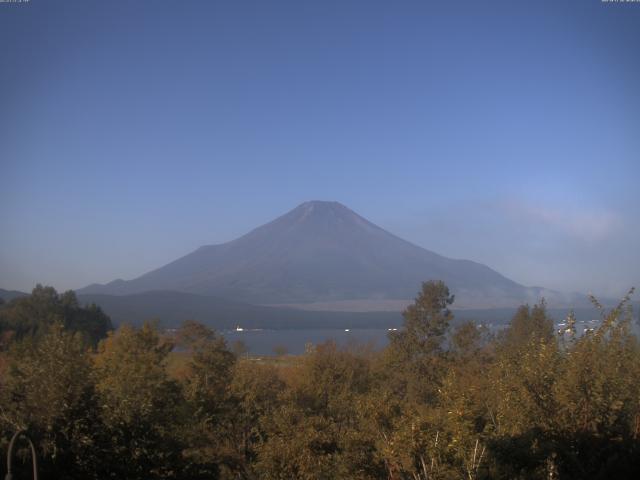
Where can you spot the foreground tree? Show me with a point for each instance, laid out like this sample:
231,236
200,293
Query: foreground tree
319,430
205,385
34,314
140,405
598,392
47,390
416,355
256,392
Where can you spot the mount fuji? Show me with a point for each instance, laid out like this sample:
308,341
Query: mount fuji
323,256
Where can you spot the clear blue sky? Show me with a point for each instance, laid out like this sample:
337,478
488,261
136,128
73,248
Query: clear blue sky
507,132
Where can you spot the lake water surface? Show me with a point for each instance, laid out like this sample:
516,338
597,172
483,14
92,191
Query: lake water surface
263,342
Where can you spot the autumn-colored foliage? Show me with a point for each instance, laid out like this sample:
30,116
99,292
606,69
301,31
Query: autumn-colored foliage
442,401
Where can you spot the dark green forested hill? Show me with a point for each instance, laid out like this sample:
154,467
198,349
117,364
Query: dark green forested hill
172,308
7,295
25,316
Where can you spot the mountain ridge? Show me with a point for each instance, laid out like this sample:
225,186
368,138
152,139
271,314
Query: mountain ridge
8,295
323,252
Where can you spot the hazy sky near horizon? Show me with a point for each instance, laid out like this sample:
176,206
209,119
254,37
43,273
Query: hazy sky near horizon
132,132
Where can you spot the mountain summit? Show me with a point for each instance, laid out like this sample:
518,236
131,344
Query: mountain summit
322,253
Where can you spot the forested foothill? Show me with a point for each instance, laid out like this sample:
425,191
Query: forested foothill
439,402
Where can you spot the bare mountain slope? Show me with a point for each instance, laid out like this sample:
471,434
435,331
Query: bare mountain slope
322,252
